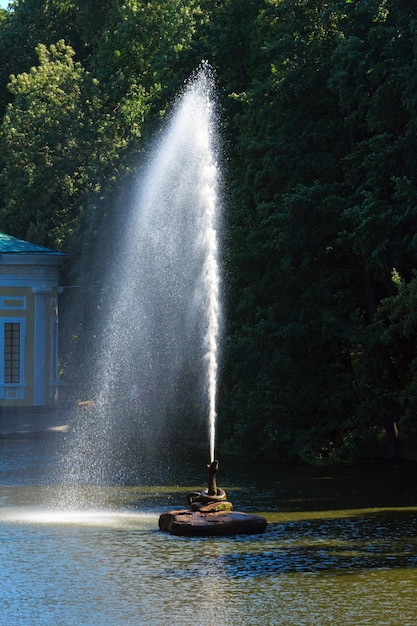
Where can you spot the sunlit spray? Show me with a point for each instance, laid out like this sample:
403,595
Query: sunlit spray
160,328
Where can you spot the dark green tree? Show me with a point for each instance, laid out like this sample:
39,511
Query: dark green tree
321,212
289,343
55,140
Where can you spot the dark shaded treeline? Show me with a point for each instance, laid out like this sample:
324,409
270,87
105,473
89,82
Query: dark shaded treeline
318,105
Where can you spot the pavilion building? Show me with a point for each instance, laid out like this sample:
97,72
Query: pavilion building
29,288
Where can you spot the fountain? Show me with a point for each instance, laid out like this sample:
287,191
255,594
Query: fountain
211,513
162,329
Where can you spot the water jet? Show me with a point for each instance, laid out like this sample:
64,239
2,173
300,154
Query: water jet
156,355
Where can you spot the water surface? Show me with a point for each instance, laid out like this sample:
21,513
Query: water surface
340,547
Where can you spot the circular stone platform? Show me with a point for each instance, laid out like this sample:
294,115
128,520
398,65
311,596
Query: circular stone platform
207,524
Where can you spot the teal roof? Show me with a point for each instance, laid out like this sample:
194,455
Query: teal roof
9,244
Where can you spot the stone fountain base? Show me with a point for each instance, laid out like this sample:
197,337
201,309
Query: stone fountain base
210,514
190,523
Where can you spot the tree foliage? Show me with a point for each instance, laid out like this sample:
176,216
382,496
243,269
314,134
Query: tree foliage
323,213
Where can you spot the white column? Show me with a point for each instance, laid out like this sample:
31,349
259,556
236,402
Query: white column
53,361
40,367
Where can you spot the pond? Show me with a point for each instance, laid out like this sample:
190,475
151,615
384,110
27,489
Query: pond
340,546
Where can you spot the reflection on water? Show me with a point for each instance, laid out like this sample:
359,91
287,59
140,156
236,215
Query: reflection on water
340,547
67,517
